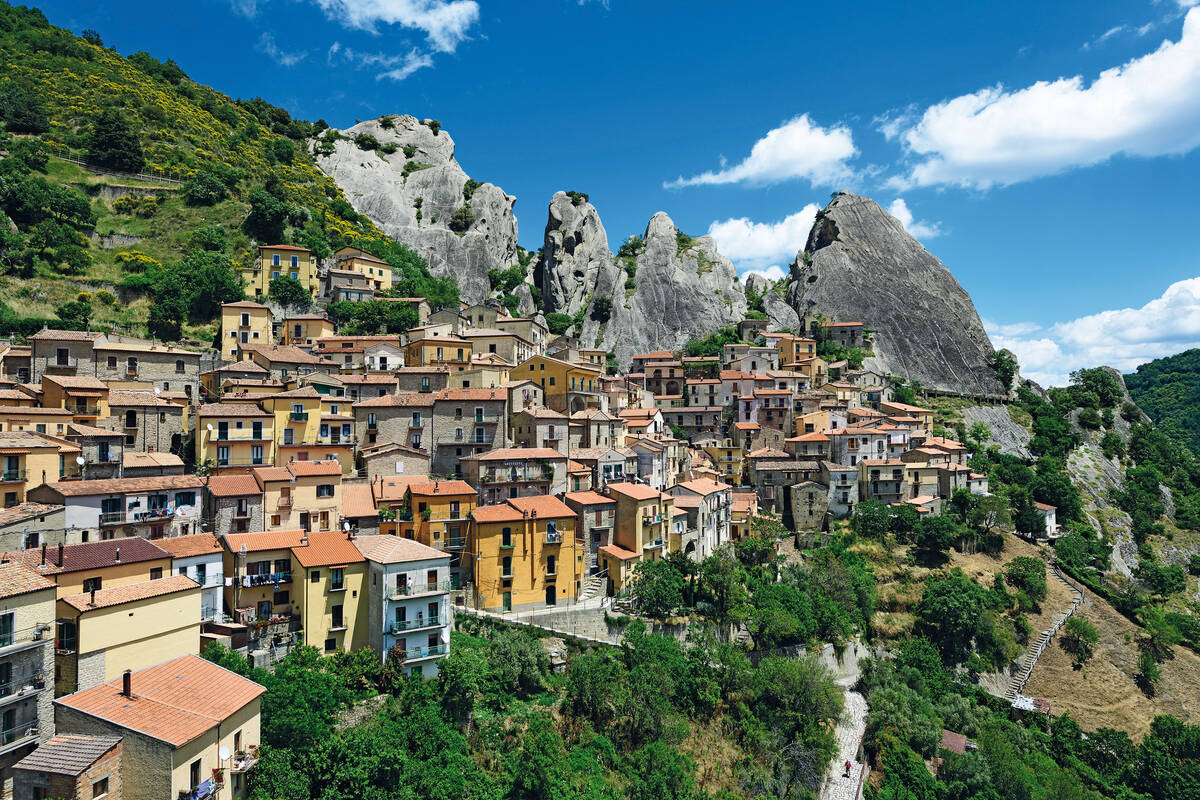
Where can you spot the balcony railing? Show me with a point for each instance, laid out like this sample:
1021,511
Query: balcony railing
239,435
653,544
422,587
266,579
244,761
342,439
12,476
242,462
651,519
24,636
415,653
19,733
400,626
479,441
285,502
298,416
151,515
554,538
25,687
85,411
454,542
204,790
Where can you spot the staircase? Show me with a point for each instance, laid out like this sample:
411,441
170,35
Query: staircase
593,587
1047,636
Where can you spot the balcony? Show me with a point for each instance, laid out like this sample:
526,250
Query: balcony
345,440
18,736
23,638
651,519
284,502
12,476
418,653
402,626
85,411
205,790
243,461
454,542
464,440
423,587
25,688
653,544
238,435
298,416
554,538
244,761
266,579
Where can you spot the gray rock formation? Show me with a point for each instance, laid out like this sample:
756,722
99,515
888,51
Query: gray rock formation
780,315
681,291
757,283
575,255
412,199
1007,434
527,306
861,265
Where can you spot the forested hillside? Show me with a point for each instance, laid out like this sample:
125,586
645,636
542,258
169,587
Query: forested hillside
177,184
1168,389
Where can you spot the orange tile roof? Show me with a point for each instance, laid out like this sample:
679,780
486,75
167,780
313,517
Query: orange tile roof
18,579
502,512
357,500
125,485
637,491
195,545
91,555
394,549
618,552
233,485
589,498
543,505
327,548
174,702
517,453
271,474
305,469
442,487
262,540
704,486
394,487
131,593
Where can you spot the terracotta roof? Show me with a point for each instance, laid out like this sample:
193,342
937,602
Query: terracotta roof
118,397
22,439
66,336
617,552
589,498
76,381
393,487
357,501
133,460
242,304
27,510
810,437
285,354
637,491
1046,507
265,474
541,412
305,469
174,702
327,548
283,247
197,544
394,549
91,430
18,579
233,485
230,410
91,555
406,400
130,593
518,453
543,505
471,394
67,754
767,452
27,411
746,426
704,486
442,487
262,540
125,485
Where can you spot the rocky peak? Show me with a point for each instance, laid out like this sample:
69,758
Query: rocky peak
413,193
575,254
861,265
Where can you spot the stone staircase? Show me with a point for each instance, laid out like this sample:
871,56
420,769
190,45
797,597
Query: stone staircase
594,586
1047,636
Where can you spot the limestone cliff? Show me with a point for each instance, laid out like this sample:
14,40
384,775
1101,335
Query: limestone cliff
412,195
861,265
575,255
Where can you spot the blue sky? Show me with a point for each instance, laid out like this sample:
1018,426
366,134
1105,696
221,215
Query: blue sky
1047,153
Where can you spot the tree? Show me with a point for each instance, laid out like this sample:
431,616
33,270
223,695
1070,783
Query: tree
871,520
268,216
210,281
462,219
657,588
75,314
558,323
1005,364
989,512
22,109
203,189
949,613
169,310
659,772
1027,574
518,660
1079,639
114,143
935,535
288,291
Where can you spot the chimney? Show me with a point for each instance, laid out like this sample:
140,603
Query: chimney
118,559
92,600
127,683
60,554
43,554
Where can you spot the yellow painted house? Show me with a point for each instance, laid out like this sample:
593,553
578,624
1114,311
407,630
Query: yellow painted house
377,271
233,436
105,564
643,531
437,514
305,495
728,458
568,387
28,460
243,323
303,330
439,351
298,415
281,260
331,593
525,553
260,565
794,349
84,396
103,633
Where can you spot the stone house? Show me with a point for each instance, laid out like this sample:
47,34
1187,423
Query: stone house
405,418
26,663
56,352
146,365
843,488
514,472
101,449
596,516
148,421
393,458
809,506
234,502
539,426
28,525
71,767
466,422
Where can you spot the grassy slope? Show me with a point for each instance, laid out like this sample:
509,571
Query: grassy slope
184,126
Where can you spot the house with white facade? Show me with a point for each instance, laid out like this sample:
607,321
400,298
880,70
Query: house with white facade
151,507
200,557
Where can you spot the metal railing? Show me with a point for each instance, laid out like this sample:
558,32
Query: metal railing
239,435
343,439
242,462
298,416
85,411
653,544
422,587
554,538
266,579
24,686
415,653
453,542
400,626
18,732
35,633
12,475
284,502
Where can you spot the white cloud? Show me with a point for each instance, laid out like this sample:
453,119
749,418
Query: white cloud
918,230
1121,338
754,245
1147,107
445,22
285,58
773,273
393,66
1104,37
247,8
796,149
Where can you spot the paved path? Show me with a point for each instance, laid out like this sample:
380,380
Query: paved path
849,735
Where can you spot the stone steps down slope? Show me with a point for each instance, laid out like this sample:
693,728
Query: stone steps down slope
1047,636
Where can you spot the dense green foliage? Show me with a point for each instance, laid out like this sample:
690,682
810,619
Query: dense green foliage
712,344
1168,390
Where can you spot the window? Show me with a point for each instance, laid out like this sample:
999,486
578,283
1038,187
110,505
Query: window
194,772
506,567
100,788
295,261
416,419
330,645
551,565
325,490
281,598
185,498
506,537
338,621
275,260
92,584
112,362
315,576
155,573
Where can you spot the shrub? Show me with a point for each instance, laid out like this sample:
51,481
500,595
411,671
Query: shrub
113,142
387,123
433,125
204,189
1079,639
558,323
288,291
1089,418
22,108
1027,574
366,141
469,188
1112,445
410,150
462,219
388,148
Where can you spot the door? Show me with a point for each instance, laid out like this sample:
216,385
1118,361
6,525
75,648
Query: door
551,596
506,601
304,520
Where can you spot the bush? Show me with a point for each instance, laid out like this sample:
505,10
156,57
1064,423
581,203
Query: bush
22,108
1027,574
288,291
462,219
1079,639
1089,418
1112,445
203,189
558,323
366,141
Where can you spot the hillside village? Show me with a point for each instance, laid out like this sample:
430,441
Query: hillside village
307,488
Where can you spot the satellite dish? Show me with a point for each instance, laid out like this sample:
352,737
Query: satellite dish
209,426
223,753
157,390
79,460
346,526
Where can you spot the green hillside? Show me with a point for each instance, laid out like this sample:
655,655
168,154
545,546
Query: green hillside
1168,389
180,182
